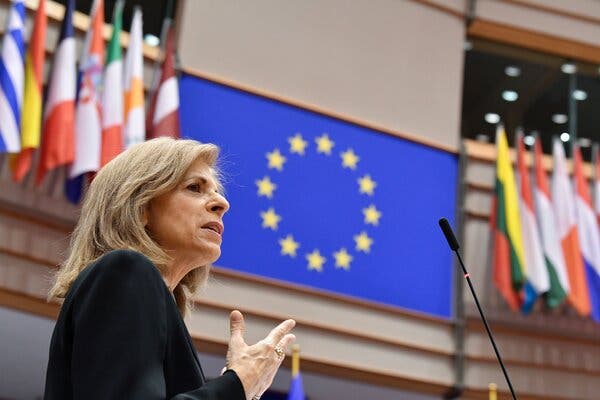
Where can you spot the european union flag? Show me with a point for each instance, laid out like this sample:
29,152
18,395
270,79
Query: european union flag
325,203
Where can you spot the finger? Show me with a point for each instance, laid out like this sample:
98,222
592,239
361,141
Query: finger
284,344
280,331
237,326
286,341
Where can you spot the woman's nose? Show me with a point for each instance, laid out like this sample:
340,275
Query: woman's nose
218,204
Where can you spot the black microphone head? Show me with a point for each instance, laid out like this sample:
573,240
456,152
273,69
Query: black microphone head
447,229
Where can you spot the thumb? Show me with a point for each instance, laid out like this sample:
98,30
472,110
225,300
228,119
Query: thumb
237,326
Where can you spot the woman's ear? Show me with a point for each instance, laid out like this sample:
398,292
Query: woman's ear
145,216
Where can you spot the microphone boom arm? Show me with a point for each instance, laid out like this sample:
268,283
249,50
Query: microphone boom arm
453,243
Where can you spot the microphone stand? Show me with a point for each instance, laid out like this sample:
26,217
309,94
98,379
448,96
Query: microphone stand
453,243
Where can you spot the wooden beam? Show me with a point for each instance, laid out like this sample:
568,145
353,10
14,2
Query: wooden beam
533,40
486,152
590,19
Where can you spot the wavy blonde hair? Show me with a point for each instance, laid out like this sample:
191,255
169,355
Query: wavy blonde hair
112,215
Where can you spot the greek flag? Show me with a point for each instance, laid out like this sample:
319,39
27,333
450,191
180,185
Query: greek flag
11,80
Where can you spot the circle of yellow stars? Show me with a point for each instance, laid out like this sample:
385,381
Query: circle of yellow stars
276,161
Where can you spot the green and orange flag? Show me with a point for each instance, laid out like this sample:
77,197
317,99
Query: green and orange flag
508,255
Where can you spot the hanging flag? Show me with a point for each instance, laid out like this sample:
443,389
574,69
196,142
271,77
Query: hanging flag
58,147
11,80
353,250
553,253
164,110
112,95
508,258
589,236
536,273
156,73
31,118
566,224
135,129
597,181
296,391
88,125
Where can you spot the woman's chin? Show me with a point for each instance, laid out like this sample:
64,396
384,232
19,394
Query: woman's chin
210,254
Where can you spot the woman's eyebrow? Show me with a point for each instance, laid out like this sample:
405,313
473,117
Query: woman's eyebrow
196,177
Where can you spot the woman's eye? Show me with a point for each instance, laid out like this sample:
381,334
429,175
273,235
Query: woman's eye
194,187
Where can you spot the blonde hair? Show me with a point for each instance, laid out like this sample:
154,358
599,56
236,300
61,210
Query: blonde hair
112,215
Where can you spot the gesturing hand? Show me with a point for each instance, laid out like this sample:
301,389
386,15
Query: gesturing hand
256,365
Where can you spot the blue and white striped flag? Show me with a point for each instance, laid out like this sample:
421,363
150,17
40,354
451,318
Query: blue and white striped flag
12,79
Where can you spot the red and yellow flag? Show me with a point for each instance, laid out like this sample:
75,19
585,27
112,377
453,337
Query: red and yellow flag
31,116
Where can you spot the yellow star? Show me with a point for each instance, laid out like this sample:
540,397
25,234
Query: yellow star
288,246
372,215
276,160
315,260
265,187
342,259
367,185
297,144
349,159
363,242
324,144
270,219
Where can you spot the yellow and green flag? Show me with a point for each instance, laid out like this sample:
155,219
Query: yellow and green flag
508,255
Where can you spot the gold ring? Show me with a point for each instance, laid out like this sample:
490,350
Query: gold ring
279,351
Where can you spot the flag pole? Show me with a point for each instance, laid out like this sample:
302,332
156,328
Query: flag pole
492,391
572,113
295,360
167,22
595,177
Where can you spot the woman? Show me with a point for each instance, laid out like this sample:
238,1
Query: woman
150,226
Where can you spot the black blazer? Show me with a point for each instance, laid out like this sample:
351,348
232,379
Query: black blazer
120,335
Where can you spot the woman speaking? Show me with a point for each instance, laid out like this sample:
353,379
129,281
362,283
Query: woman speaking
150,227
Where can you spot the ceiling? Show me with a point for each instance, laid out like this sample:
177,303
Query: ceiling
542,88
153,12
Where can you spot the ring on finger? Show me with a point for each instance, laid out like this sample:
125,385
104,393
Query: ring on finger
279,350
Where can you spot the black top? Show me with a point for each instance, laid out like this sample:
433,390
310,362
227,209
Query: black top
119,335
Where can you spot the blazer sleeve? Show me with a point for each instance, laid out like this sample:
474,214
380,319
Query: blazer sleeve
119,335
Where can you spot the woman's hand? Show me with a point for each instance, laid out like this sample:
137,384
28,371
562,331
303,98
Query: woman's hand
256,365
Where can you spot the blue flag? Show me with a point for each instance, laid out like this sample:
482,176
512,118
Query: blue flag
296,391
324,203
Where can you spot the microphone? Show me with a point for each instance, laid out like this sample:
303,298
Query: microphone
453,243
447,229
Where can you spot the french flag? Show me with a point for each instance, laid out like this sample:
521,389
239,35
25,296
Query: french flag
58,141
589,236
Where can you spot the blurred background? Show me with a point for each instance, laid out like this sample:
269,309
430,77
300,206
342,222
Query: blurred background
408,95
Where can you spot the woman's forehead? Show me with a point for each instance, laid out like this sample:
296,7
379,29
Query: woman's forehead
199,169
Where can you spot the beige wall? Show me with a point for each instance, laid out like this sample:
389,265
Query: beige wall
394,63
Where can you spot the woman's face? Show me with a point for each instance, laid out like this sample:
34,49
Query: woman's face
188,221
